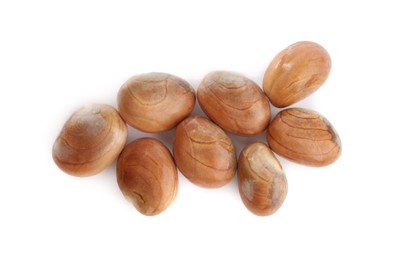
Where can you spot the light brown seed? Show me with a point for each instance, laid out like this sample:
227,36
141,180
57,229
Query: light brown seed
304,136
90,140
261,180
203,152
147,175
234,102
155,102
296,72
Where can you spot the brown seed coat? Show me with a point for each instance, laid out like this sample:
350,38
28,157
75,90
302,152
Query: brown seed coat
203,152
295,73
261,180
155,102
304,136
234,102
147,175
90,140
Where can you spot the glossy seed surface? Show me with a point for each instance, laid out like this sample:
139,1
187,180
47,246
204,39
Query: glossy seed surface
304,136
234,102
261,180
203,152
147,175
155,102
296,72
90,140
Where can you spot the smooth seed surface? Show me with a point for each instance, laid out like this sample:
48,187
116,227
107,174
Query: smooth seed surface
261,181
147,175
203,152
155,102
234,102
296,72
90,140
304,136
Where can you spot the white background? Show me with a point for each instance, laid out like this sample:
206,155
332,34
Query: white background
56,56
